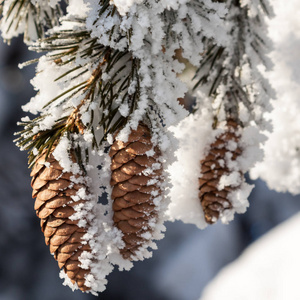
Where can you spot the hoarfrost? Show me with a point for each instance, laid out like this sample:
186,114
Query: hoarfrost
194,134
124,5
140,32
28,17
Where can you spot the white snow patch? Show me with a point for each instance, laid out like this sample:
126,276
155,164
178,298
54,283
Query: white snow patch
281,166
267,270
195,134
124,5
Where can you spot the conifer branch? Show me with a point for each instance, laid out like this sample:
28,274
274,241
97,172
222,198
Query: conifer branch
79,52
223,66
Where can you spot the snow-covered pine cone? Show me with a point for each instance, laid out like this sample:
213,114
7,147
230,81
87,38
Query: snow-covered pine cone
53,189
214,200
135,180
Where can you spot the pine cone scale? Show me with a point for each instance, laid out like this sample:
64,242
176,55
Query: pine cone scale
121,202
117,192
57,201
123,157
50,174
119,176
54,222
49,231
44,212
38,203
36,169
38,183
128,187
44,194
138,148
132,168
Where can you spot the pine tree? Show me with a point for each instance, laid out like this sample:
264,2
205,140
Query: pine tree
107,97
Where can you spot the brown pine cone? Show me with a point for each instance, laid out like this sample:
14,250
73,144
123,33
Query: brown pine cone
53,189
214,201
135,212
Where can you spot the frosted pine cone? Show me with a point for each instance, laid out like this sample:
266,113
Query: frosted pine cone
135,181
214,200
53,189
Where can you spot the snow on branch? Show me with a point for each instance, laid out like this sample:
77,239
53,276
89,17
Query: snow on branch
107,108
28,17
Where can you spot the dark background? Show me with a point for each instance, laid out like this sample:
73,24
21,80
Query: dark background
187,257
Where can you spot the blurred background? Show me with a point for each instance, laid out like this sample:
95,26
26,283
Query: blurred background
187,258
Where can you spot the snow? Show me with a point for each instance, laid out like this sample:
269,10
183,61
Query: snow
184,173
24,17
196,256
78,8
184,271
147,34
267,270
281,166
124,5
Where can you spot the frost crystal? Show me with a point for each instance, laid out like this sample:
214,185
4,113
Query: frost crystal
28,17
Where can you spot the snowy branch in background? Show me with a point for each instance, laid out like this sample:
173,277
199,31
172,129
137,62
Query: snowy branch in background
281,166
28,17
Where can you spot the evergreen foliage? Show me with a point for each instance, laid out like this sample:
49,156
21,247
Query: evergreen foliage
230,73
28,17
110,66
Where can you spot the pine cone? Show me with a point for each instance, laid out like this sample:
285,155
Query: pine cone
214,201
133,193
53,189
